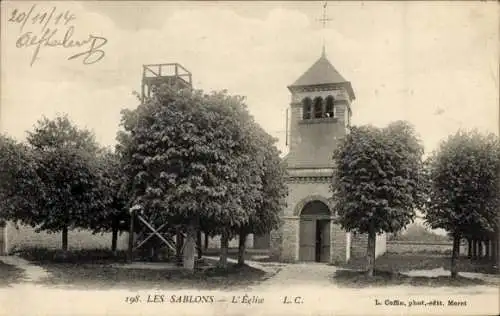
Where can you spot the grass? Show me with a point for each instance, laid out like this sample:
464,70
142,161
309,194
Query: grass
349,278
393,262
102,256
94,269
107,277
97,256
9,274
389,266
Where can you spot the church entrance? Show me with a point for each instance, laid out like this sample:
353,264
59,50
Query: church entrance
314,238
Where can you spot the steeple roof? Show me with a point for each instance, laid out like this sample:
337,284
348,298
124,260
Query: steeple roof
320,73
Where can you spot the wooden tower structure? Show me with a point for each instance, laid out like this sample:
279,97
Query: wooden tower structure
155,75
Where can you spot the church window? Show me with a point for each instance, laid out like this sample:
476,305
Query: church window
307,109
330,109
318,107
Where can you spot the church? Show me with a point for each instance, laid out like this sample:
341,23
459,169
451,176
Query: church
321,112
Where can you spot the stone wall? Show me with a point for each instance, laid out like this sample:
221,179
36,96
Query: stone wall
415,247
358,245
359,242
214,242
290,231
276,243
338,244
261,241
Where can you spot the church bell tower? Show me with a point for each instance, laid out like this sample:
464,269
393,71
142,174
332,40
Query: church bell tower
320,113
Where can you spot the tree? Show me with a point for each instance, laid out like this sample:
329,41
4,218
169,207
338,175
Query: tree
248,184
463,196
274,192
61,132
21,187
185,154
114,216
378,181
68,190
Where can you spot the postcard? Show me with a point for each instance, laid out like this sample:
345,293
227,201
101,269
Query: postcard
249,158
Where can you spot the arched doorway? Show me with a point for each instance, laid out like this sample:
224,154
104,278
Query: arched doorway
314,238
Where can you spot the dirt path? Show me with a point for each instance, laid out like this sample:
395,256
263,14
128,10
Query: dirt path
300,274
32,273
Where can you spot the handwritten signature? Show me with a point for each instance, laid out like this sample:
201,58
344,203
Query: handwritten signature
50,36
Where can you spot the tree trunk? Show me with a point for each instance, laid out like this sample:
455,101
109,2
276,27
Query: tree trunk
114,240
130,254
480,249
206,241
65,239
494,250
198,244
224,245
487,248
189,249
370,253
474,249
454,256
179,241
241,248
469,248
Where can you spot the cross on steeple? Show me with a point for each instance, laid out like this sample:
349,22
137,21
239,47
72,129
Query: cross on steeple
324,19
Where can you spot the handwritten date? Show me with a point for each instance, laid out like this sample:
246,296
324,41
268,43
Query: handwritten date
55,29
41,18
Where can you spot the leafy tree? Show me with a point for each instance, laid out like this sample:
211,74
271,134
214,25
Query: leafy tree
68,187
248,185
463,197
73,194
274,192
185,154
114,216
61,133
378,181
20,187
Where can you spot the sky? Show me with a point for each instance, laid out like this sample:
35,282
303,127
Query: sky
434,64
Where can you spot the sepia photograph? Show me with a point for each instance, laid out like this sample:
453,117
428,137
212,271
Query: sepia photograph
249,158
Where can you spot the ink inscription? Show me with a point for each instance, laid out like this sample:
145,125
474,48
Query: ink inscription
54,28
